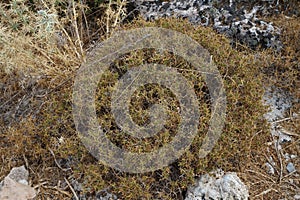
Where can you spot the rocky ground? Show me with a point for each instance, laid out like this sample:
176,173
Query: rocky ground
261,26
238,23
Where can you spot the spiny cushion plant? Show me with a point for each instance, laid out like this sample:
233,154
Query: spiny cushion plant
53,127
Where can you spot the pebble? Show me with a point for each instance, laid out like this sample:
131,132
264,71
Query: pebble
290,167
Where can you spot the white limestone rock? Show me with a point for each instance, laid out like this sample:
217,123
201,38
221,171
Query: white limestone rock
224,186
236,23
15,185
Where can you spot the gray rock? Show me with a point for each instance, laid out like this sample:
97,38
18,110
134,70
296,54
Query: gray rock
237,23
222,187
19,174
290,167
15,185
283,138
270,168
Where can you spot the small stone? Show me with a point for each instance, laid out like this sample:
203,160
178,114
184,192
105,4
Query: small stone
218,187
15,185
290,167
297,197
293,156
270,168
19,174
284,138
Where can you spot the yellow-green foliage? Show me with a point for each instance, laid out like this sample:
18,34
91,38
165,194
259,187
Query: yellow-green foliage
52,128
